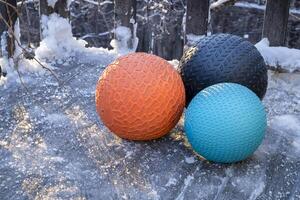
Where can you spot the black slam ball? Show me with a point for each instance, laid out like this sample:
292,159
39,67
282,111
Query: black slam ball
223,58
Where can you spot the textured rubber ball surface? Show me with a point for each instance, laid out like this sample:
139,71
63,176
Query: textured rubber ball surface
225,122
223,58
140,97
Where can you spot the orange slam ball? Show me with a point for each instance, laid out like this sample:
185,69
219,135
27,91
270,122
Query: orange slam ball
140,97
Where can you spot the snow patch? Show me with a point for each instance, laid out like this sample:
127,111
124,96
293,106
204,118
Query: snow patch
124,40
69,3
250,5
291,124
218,4
16,64
4,61
58,40
17,36
190,160
286,58
184,22
59,44
174,63
246,36
244,4
289,81
58,48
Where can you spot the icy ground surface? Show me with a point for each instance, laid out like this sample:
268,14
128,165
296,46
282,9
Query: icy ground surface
53,146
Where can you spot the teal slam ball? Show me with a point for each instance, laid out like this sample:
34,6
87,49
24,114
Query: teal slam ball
225,123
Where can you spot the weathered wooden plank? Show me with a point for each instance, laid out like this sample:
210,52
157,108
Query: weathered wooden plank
170,44
197,17
276,21
160,32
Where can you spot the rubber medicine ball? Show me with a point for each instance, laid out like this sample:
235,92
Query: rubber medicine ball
223,58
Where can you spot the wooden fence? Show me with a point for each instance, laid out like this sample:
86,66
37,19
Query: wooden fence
197,16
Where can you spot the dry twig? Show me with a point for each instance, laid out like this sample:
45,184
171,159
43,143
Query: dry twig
24,50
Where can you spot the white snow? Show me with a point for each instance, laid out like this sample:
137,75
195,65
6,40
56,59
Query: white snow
69,3
51,3
5,63
218,4
244,4
174,63
59,44
289,81
123,38
190,160
246,36
58,41
291,124
283,57
17,34
9,65
250,5
184,22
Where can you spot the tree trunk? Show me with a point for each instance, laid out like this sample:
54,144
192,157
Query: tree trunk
276,21
125,10
7,23
197,17
144,28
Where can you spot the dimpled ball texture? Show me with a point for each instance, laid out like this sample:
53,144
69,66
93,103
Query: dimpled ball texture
225,123
140,97
223,58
